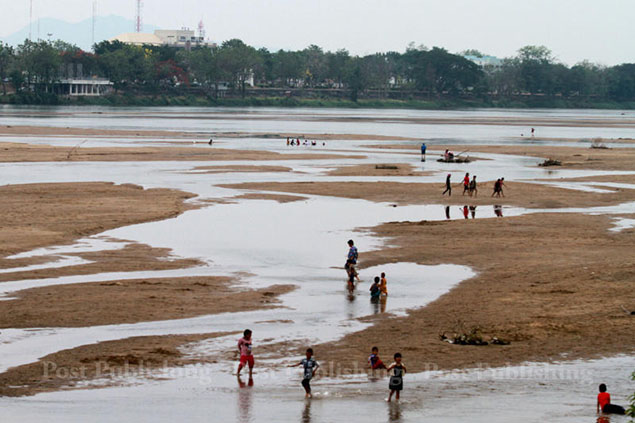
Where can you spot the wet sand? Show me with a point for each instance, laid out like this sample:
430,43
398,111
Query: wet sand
23,153
518,194
571,157
132,301
103,364
39,215
384,169
551,284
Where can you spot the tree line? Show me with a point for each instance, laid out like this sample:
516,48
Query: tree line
233,66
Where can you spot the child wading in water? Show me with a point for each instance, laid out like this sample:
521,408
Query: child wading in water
382,285
244,347
374,361
604,403
310,368
396,378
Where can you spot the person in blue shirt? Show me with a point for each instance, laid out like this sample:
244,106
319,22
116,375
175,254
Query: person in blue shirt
423,152
310,367
351,261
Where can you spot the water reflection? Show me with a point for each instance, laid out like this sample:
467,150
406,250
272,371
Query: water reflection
447,212
473,211
306,413
465,211
394,412
498,210
244,400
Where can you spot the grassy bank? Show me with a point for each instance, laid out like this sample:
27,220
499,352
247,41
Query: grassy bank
200,101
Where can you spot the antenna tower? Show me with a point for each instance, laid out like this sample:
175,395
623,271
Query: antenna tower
30,20
138,23
94,19
201,30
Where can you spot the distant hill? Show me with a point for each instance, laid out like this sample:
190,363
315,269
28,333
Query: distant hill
78,33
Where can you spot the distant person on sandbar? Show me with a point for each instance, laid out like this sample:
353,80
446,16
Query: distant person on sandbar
448,186
497,188
423,151
473,189
502,184
604,403
466,183
310,368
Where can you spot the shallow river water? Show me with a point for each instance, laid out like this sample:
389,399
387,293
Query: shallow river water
301,243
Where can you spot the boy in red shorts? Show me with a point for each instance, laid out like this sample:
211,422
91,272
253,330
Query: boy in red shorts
244,347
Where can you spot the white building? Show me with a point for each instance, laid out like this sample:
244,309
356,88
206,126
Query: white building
184,38
76,87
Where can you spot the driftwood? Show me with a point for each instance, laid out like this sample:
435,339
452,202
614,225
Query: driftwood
386,167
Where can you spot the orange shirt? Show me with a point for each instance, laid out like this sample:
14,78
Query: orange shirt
603,399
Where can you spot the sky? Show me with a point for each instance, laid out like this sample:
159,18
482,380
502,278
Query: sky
600,31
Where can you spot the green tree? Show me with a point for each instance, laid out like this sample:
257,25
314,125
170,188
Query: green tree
7,57
237,61
41,62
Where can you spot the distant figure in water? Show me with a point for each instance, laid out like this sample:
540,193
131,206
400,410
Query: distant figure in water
473,211
423,151
532,131
211,141
310,368
604,403
375,291
292,143
244,348
383,285
448,186
351,261
288,141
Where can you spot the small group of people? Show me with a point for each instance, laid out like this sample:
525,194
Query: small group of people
448,155
310,366
498,187
469,186
297,142
379,287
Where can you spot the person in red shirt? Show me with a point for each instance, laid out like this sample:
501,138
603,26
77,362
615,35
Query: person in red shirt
466,184
604,403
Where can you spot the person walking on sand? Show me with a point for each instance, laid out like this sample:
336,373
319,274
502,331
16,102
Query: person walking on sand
502,184
473,189
448,186
310,368
497,188
466,183
244,348
398,370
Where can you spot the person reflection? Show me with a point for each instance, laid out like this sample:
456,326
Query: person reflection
447,212
473,211
394,412
306,413
498,210
244,400
465,211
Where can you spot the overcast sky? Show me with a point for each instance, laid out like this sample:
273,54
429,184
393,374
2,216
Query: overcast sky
601,31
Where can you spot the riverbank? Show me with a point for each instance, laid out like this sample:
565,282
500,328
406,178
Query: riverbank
123,100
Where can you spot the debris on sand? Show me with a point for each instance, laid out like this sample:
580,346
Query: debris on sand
386,167
599,143
550,162
472,336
